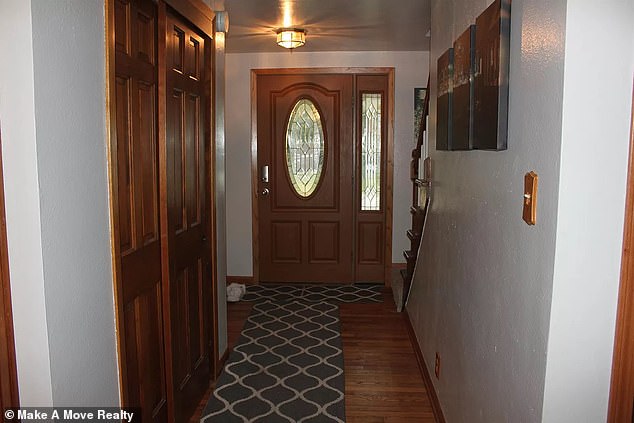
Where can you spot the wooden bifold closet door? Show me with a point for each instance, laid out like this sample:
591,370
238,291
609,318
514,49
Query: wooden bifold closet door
161,176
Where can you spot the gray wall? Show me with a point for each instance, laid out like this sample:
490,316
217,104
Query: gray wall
595,143
482,290
17,124
68,59
52,110
523,317
411,69
52,117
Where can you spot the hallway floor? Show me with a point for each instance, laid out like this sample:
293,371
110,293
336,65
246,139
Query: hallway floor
383,383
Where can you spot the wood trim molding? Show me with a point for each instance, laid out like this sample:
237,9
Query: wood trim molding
210,82
112,192
197,12
247,280
163,204
389,179
622,384
389,185
332,70
424,369
9,396
255,211
220,364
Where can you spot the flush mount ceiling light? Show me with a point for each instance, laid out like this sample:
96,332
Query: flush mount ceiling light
291,37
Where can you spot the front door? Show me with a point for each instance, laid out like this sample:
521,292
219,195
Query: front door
305,180
323,194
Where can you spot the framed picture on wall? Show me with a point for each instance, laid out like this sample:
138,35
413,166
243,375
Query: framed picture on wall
464,64
491,88
444,103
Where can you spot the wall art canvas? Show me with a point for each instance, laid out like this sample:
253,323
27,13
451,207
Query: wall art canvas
491,89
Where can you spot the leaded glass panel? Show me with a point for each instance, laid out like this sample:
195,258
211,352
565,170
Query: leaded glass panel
371,151
305,147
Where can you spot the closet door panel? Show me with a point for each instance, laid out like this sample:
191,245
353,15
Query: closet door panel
188,192
137,211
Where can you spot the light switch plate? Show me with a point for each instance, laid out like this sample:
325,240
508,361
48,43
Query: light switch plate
529,213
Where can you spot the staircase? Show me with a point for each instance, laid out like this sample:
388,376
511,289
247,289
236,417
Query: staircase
421,182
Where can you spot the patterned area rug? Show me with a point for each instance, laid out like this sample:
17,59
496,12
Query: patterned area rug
286,367
315,293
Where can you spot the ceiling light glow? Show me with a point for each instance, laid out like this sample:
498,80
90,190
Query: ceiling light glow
291,37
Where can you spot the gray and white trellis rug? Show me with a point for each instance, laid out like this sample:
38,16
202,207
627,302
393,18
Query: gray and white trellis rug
286,367
355,293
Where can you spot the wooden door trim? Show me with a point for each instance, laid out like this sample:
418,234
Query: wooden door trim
111,147
10,366
197,12
210,57
389,177
389,180
622,390
161,139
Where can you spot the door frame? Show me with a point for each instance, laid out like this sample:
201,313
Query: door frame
8,367
389,174
199,14
621,387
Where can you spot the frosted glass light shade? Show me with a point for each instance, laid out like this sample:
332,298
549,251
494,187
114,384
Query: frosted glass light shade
291,37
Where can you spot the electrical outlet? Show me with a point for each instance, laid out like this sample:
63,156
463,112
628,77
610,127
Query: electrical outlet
437,366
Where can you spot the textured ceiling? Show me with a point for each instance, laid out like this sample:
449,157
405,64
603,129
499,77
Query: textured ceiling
331,25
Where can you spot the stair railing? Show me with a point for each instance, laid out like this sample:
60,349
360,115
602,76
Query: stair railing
421,184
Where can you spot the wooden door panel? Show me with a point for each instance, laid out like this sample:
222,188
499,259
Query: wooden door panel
150,319
144,161
197,344
188,155
137,219
323,242
180,331
176,192
286,242
189,335
306,238
193,175
145,37
370,242
122,26
145,364
122,97
193,63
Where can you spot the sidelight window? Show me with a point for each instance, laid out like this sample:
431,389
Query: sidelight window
371,132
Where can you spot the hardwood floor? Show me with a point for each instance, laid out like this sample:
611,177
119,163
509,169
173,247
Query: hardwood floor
383,381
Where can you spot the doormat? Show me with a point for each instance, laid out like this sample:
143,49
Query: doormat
286,367
357,293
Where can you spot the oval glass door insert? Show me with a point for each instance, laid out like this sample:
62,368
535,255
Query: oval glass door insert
305,147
